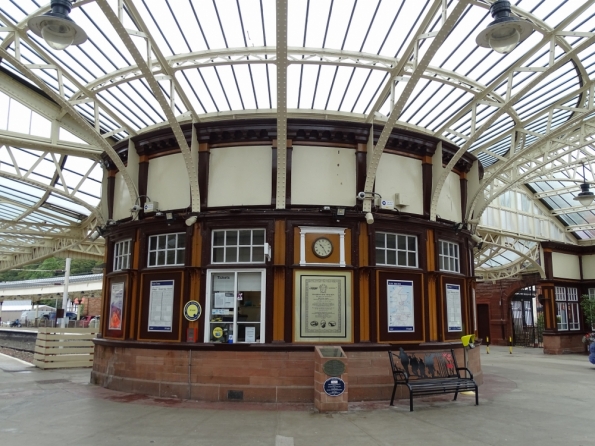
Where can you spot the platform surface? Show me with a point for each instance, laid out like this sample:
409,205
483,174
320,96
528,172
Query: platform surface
521,402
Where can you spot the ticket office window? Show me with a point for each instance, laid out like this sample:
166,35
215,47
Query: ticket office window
235,306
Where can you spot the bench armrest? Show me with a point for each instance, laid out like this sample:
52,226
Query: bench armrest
402,375
466,369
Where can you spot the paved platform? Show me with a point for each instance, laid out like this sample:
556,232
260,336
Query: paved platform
521,402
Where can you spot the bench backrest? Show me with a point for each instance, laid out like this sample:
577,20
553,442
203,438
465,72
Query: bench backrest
424,365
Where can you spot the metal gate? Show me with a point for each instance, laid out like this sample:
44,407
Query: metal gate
523,323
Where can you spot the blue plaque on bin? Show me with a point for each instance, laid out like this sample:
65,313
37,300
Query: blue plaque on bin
334,386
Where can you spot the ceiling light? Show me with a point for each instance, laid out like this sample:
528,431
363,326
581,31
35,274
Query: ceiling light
57,29
585,197
506,31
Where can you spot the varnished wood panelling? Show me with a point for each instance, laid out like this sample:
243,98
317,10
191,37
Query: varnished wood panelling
334,258
134,292
364,283
279,304
279,255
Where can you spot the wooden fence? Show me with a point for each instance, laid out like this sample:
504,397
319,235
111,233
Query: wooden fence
61,348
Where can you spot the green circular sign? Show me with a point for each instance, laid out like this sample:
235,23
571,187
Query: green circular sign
334,367
192,310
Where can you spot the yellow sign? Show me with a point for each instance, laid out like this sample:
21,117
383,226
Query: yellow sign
217,332
192,310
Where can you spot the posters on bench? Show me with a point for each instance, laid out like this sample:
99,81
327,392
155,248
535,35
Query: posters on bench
161,305
400,306
453,307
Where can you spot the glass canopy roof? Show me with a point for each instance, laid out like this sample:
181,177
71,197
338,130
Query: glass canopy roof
527,112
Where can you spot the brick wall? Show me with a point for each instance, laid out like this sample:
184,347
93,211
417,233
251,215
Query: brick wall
497,296
92,306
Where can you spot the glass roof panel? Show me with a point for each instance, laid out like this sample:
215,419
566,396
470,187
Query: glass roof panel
439,102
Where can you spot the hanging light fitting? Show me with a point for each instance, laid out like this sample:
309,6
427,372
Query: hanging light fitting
585,197
506,31
57,29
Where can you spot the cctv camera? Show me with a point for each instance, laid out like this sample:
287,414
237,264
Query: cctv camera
476,238
191,220
361,195
136,208
369,218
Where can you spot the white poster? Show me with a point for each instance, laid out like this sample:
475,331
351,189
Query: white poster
400,306
250,334
224,300
453,307
161,305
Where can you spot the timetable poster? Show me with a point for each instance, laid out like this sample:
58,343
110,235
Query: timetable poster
453,307
161,305
400,306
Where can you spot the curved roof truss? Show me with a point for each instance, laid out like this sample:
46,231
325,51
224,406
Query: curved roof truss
528,116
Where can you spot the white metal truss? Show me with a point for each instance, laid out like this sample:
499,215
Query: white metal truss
437,38
18,34
557,151
527,253
281,55
46,145
550,38
26,242
295,56
101,142
22,229
46,108
532,155
25,175
143,64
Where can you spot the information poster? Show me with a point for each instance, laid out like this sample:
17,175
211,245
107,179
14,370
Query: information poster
453,307
161,305
224,299
400,306
250,334
323,306
115,306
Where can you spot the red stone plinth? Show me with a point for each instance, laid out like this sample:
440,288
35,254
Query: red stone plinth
322,401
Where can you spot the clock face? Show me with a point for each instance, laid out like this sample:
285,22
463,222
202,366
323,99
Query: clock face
322,247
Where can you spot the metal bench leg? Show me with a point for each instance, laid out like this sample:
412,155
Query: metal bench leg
476,396
456,394
392,398
410,401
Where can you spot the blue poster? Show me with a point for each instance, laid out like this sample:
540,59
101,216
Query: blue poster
401,316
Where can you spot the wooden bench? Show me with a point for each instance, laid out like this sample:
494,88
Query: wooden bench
430,374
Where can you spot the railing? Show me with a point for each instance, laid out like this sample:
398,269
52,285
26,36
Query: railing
43,322
59,348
